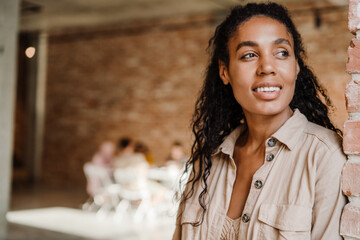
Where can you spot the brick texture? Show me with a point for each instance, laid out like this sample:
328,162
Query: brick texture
354,15
350,224
352,94
353,64
350,219
351,142
350,179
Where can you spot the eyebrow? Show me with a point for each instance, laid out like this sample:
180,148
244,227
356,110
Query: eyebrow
246,44
282,40
254,44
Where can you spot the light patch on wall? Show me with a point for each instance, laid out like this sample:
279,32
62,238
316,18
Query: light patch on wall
30,52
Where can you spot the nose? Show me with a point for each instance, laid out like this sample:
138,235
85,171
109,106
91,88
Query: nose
266,66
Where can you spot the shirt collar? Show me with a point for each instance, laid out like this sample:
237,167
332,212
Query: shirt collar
288,134
228,144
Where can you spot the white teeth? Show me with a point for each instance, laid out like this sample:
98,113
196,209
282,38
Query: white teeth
267,89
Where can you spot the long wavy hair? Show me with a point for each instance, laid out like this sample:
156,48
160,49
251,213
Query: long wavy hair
217,112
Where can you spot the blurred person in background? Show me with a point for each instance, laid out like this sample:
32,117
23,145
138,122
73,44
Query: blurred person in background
141,147
127,157
105,155
98,173
175,165
103,158
131,172
132,164
177,156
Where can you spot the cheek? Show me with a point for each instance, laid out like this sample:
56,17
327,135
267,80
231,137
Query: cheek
241,96
240,77
289,74
240,88
291,90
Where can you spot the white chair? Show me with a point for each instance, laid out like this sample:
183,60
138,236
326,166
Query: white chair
104,192
134,193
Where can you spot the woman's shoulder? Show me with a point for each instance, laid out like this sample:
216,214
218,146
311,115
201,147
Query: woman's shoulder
325,137
326,147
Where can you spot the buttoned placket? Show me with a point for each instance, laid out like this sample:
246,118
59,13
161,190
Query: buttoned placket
258,183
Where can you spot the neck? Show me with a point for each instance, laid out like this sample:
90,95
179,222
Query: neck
261,127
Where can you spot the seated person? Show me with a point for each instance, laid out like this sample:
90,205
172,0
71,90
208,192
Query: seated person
103,159
141,147
134,163
105,155
131,171
177,156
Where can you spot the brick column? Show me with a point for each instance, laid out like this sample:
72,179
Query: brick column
350,220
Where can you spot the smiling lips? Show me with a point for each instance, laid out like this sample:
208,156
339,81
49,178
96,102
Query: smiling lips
267,92
267,89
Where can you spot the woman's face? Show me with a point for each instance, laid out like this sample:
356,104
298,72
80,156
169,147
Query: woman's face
262,69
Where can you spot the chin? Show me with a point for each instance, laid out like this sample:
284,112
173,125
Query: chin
270,110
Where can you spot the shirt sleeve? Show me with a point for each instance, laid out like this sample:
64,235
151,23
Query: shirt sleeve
178,227
177,233
329,200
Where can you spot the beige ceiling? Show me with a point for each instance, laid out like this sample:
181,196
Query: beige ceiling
54,14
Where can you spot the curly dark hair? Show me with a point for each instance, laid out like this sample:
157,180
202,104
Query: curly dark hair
217,112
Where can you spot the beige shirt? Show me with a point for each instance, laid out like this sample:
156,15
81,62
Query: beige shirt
295,194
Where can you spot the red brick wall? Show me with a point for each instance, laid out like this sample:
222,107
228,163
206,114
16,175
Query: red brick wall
142,79
350,221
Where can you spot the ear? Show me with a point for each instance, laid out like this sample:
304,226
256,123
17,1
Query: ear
223,73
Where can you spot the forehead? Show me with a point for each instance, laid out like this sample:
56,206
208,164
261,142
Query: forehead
258,27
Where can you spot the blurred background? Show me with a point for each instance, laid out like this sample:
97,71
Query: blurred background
91,71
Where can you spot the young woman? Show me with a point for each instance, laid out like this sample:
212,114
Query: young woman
266,161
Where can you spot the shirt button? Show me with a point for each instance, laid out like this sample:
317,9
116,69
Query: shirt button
271,142
270,157
258,184
245,218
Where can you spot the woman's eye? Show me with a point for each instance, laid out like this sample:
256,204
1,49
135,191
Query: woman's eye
248,56
283,53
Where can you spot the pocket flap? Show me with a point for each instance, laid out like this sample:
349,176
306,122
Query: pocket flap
191,214
286,217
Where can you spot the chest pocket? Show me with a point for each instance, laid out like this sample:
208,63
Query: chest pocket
191,214
284,222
